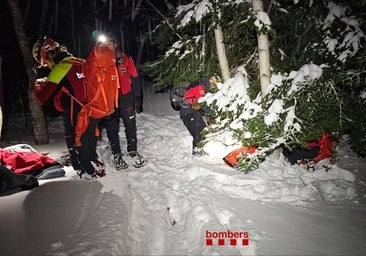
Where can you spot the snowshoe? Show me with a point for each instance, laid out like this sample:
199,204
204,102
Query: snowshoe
99,168
197,151
99,173
137,160
334,159
84,175
310,165
118,162
87,176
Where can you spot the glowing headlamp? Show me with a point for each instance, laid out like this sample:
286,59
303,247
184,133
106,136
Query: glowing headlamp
102,39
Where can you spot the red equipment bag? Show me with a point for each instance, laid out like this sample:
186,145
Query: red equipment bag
232,158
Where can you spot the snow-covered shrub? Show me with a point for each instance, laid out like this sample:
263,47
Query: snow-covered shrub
299,106
317,61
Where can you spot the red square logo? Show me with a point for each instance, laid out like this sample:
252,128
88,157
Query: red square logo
208,241
245,242
221,242
233,242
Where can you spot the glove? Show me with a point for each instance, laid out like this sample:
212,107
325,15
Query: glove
211,113
210,120
38,88
39,83
41,80
196,106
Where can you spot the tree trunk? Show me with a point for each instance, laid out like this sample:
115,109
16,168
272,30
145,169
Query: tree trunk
141,50
221,53
263,50
1,120
38,119
136,10
42,26
169,5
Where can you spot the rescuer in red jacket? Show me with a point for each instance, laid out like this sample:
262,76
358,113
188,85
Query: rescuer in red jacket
63,85
126,111
191,112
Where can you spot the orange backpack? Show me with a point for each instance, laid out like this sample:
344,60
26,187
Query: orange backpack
232,158
102,85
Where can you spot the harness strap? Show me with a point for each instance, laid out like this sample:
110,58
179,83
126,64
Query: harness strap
73,98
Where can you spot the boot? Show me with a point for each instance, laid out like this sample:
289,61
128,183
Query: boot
118,162
99,168
137,159
197,151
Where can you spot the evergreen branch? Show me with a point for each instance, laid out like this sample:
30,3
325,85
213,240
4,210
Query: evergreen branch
165,18
251,57
340,104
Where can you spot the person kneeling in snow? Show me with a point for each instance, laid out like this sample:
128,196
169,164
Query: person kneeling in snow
299,154
315,151
192,112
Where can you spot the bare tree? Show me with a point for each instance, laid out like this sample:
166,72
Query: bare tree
263,50
39,123
221,53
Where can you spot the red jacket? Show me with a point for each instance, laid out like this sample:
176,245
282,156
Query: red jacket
194,93
25,162
67,74
126,69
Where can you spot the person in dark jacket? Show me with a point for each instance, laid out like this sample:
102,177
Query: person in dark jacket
299,154
64,84
192,112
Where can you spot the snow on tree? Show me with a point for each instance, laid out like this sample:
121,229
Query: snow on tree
316,64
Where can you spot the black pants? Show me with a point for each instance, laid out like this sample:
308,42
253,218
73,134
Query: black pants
300,153
126,112
80,156
88,149
194,122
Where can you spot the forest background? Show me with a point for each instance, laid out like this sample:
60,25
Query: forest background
174,42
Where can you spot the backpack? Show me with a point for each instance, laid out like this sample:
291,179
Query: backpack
94,83
176,96
232,158
186,94
102,85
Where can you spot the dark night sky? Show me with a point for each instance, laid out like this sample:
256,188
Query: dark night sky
78,40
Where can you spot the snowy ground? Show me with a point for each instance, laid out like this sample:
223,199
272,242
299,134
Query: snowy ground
173,204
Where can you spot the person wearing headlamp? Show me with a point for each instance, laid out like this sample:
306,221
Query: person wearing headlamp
126,110
108,41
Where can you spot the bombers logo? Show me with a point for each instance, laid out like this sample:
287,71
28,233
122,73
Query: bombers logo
230,237
80,75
